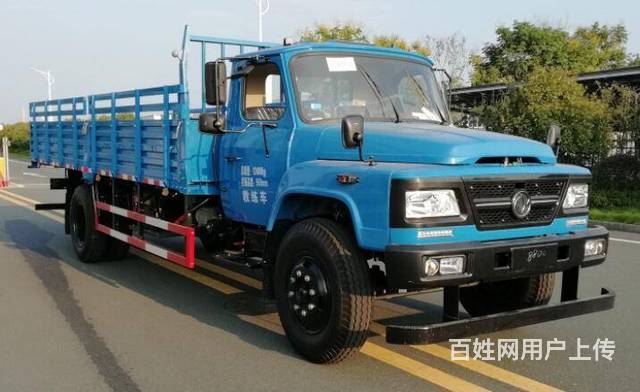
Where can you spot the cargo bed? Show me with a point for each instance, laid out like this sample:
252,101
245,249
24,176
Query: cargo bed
137,135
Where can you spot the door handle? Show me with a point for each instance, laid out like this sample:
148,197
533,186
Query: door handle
232,158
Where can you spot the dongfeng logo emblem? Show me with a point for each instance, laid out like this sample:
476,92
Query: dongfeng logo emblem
521,204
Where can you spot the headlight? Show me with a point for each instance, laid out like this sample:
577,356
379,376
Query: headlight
577,196
431,204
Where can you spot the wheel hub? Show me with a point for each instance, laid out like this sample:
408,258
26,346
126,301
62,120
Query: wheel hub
309,299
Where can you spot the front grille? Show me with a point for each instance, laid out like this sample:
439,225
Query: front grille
491,202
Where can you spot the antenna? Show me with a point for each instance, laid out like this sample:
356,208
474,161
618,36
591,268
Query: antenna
50,79
263,8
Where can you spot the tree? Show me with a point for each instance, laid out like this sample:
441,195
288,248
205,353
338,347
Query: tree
624,107
336,32
19,135
633,60
394,41
451,53
524,46
356,33
552,96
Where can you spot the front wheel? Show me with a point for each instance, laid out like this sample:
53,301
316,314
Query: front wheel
323,291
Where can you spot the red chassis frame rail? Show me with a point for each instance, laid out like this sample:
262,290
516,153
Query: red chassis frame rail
186,260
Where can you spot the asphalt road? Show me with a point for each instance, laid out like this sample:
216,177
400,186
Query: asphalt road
145,324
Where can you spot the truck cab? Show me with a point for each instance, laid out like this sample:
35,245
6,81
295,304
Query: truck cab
335,168
361,137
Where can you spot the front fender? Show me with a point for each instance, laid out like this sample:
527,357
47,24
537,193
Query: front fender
367,200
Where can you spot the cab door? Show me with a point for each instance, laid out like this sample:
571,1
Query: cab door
252,162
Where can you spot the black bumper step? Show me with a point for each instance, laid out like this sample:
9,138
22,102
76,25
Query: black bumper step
439,332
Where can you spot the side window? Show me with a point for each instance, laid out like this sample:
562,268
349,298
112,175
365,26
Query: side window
263,95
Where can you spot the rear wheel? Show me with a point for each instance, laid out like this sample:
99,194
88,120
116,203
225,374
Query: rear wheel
502,296
323,291
89,244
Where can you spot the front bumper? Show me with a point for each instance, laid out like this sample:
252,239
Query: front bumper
434,333
491,260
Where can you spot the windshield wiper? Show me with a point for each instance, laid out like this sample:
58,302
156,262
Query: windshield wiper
378,93
426,98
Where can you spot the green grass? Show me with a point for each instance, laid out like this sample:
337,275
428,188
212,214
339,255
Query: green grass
622,215
20,154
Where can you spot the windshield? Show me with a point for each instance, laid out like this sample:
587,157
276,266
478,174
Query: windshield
331,86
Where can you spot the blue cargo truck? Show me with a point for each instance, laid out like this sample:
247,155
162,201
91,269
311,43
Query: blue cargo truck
335,168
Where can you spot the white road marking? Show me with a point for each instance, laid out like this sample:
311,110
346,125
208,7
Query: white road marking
34,175
21,162
624,240
14,184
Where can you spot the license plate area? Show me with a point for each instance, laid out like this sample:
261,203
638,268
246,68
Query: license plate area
535,258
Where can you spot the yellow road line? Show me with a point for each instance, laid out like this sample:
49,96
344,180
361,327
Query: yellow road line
263,323
418,369
480,367
8,196
238,277
20,197
399,361
488,370
187,273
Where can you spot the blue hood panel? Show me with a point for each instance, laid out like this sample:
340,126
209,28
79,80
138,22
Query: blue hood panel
430,143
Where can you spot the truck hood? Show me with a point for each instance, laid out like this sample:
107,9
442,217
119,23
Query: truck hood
431,143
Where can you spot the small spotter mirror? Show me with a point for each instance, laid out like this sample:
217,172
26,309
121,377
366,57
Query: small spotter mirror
215,73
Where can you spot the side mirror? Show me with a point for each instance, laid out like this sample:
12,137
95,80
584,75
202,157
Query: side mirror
352,131
215,75
554,137
211,123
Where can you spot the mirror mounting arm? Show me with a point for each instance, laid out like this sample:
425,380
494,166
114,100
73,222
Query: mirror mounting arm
358,138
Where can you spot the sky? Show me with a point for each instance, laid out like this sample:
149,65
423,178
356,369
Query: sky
102,46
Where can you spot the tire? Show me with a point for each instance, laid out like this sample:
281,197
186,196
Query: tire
502,296
89,244
339,288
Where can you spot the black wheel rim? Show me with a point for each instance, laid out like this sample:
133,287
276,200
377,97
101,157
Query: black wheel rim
78,226
308,295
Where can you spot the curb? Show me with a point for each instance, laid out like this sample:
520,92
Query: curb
617,226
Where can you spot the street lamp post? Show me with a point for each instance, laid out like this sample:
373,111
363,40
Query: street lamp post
263,8
50,80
